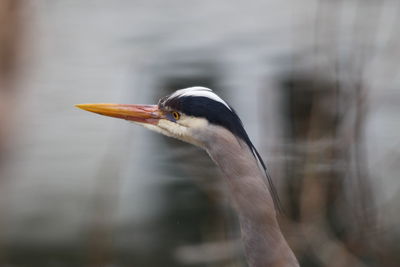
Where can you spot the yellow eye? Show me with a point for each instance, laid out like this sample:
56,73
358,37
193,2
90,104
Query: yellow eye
176,115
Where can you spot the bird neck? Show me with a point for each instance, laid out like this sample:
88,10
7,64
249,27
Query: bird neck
263,241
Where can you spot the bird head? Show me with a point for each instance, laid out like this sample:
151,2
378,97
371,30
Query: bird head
195,115
189,115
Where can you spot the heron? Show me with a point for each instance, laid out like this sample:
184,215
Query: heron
198,116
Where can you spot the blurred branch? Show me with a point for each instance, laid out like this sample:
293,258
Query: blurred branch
10,46
10,37
10,50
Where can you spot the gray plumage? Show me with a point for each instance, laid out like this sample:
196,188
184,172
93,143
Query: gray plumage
198,116
262,238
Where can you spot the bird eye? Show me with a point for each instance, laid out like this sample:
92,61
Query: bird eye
176,115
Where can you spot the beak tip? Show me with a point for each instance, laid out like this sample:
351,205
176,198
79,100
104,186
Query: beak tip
82,106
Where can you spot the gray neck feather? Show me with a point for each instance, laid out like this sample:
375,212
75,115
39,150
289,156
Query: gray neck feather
263,241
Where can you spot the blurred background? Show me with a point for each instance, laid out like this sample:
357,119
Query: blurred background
314,81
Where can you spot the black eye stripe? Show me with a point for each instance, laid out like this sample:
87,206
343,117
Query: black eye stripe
203,107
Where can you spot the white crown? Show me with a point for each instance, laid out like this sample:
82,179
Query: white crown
198,91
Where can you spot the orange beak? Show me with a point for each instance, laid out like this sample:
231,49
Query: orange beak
150,114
